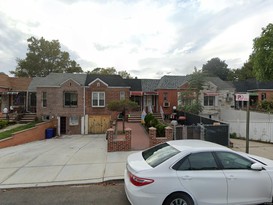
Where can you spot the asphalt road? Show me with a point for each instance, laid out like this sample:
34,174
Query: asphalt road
93,194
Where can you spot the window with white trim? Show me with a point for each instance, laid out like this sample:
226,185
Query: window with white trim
74,120
122,95
98,99
209,100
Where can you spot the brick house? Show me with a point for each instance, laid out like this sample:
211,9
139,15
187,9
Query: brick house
61,96
99,91
258,91
13,93
167,89
78,101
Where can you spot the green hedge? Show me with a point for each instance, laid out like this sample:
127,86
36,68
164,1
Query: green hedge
3,124
151,121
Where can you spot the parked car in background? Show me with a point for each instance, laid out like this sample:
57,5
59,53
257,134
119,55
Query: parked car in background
191,172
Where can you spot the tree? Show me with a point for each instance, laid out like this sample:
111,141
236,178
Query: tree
103,71
110,71
122,106
44,57
124,74
243,73
216,67
262,54
190,96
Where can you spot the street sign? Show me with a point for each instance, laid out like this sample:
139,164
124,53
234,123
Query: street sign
242,97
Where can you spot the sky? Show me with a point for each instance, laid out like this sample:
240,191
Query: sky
146,38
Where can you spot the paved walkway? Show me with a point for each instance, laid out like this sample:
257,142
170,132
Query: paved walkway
139,139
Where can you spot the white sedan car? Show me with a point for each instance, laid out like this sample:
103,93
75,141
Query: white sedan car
195,172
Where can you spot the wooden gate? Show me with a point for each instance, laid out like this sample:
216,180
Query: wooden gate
98,124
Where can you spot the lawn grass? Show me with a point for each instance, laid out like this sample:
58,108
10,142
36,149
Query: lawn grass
8,133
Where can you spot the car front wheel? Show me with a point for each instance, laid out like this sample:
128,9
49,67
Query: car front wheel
178,199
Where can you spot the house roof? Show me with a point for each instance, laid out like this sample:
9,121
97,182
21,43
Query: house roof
252,84
135,84
110,80
36,82
4,81
20,84
149,85
221,85
55,79
14,83
171,82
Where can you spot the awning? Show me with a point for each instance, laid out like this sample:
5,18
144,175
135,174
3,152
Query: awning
136,93
9,93
150,93
210,94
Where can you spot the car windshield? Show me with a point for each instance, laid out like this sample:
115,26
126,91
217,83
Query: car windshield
158,154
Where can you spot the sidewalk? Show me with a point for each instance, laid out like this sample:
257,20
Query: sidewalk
255,148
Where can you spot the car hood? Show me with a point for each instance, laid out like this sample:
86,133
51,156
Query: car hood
136,163
268,162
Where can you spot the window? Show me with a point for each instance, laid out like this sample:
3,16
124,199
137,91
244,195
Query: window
44,99
159,154
209,100
197,161
98,99
233,161
165,96
263,96
122,95
70,99
74,120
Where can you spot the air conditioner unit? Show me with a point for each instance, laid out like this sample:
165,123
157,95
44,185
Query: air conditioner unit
166,104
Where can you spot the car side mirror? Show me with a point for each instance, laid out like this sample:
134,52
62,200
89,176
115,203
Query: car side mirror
257,167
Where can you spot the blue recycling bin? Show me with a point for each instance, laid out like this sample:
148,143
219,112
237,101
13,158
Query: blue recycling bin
49,133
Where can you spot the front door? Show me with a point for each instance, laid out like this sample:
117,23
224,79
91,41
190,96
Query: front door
98,124
63,125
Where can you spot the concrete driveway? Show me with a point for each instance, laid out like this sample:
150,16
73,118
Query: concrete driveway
73,159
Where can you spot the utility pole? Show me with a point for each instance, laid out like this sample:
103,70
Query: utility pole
247,127
245,97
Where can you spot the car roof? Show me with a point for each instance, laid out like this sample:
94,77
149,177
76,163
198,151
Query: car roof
183,145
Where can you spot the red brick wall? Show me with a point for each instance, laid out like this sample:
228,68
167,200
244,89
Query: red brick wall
30,135
157,140
120,143
111,93
269,95
171,97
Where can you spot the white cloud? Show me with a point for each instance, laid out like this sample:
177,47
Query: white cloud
144,37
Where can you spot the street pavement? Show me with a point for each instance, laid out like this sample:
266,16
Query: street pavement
75,159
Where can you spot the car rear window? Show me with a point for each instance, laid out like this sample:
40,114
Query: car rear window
159,154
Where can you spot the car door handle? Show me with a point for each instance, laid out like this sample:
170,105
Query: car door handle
186,177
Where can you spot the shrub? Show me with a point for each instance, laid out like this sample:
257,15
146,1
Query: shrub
148,118
3,123
160,130
233,135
